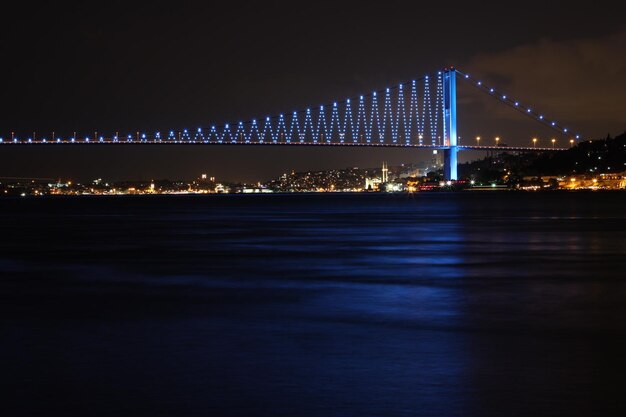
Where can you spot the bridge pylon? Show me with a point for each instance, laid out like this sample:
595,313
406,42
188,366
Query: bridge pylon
449,126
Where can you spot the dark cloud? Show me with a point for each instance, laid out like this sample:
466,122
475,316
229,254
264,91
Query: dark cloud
581,81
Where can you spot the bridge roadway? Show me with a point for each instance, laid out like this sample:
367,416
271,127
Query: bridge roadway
106,141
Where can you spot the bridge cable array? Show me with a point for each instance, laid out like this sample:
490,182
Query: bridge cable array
517,105
408,114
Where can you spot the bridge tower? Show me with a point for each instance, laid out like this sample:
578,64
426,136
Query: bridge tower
449,124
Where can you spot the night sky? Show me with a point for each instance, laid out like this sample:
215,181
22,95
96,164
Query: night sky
112,66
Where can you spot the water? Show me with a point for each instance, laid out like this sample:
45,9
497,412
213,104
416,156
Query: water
467,304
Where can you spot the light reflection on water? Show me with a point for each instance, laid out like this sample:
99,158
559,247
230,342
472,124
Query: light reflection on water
439,304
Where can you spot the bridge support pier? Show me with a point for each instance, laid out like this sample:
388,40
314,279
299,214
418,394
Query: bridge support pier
450,164
449,126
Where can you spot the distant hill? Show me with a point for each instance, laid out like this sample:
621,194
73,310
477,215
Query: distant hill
593,156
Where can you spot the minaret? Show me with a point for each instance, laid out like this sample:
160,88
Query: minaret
385,173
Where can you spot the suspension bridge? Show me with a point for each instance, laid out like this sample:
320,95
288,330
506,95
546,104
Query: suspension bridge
419,114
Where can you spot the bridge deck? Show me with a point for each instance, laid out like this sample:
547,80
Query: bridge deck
83,142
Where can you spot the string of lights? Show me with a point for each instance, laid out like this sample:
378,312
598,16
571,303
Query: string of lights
373,123
519,106
376,120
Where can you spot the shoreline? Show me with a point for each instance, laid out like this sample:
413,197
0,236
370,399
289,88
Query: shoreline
312,193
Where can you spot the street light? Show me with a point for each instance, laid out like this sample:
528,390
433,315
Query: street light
497,140
477,140
553,141
534,142
571,143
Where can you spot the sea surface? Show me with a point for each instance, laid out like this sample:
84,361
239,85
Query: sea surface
431,304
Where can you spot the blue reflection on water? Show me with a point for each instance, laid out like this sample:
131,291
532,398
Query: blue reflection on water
439,304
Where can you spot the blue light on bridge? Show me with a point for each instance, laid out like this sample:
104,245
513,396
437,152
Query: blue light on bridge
406,118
